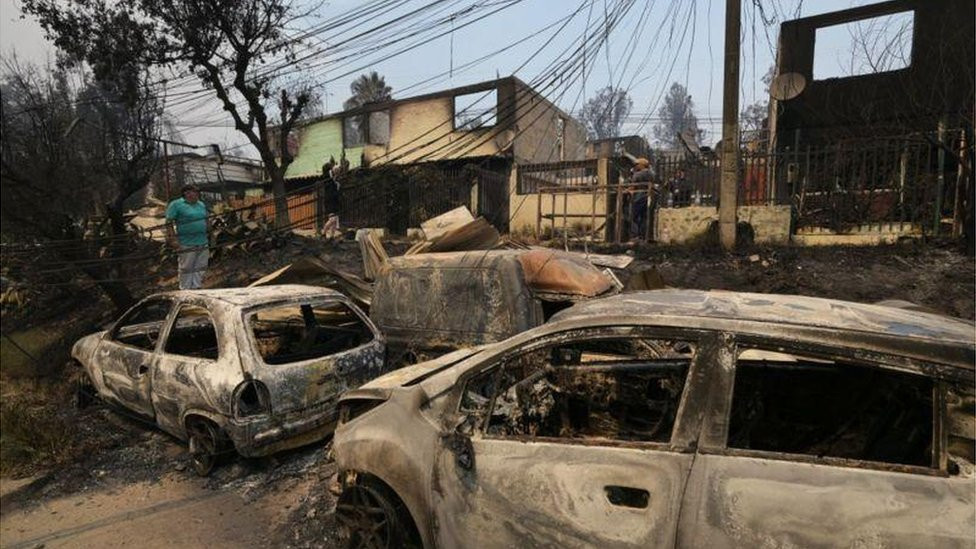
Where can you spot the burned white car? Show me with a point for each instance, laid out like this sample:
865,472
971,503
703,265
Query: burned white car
674,418
258,370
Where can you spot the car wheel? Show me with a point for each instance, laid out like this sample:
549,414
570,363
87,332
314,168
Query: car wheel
369,518
204,446
85,393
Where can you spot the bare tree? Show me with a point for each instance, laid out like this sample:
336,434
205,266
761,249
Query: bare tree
71,154
237,48
604,114
677,116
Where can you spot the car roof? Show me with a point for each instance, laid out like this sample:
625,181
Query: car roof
256,295
812,312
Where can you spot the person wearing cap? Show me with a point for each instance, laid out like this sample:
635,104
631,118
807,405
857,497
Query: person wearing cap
188,230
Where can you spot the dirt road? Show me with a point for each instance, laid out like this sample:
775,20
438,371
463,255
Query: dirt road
280,502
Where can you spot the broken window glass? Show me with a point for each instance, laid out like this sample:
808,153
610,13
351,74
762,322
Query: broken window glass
354,131
141,326
193,334
614,389
292,333
477,110
799,405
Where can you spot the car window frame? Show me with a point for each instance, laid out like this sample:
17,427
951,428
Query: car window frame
248,313
163,324
721,406
495,362
171,325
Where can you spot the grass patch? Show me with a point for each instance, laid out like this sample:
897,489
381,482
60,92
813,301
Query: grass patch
38,342
36,426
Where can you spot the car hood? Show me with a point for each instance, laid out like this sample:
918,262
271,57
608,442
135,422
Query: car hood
412,375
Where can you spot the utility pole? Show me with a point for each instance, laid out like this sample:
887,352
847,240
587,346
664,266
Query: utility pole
729,186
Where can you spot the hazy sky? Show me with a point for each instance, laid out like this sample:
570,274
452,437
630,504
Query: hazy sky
658,42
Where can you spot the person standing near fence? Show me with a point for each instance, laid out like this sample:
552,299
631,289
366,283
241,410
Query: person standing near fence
331,200
188,230
639,208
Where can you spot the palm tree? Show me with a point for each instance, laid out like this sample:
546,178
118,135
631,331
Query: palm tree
369,88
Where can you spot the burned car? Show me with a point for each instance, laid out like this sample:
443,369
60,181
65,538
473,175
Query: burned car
255,370
431,303
674,418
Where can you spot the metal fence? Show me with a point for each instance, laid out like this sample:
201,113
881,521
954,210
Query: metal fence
401,197
908,179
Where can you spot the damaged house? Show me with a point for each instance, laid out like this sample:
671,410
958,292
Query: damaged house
875,146
424,155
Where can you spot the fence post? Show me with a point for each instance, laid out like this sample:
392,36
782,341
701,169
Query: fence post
957,204
940,187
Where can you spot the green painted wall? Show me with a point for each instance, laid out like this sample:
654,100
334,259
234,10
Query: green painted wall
319,141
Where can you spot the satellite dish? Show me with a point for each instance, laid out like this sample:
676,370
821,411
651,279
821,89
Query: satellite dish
786,86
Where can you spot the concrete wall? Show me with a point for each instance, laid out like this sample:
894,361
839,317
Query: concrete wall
427,126
864,235
770,224
524,211
537,128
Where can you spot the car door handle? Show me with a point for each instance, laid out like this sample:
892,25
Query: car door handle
625,496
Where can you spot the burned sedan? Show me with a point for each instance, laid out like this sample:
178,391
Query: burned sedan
258,370
674,418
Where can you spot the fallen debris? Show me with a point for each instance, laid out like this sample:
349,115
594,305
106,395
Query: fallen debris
315,272
375,258
436,227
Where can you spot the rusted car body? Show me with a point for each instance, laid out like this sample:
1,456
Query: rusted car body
258,369
675,418
432,303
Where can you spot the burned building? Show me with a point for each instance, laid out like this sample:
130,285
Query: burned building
908,65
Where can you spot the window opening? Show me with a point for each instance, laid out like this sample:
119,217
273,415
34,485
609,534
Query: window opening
141,327
614,389
353,131
193,334
379,128
477,110
867,46
293,333
799,405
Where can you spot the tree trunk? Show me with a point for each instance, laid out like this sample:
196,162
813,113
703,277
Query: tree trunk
282,220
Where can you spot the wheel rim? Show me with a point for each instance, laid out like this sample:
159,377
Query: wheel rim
203,449
366,519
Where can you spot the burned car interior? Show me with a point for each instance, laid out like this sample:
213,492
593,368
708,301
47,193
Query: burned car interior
193,334
293,333
624,389
799,405
142,327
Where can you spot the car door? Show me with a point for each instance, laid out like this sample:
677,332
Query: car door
187,375
127,355
811,449
308,352
569,442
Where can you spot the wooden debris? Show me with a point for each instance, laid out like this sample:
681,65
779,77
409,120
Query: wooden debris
435,227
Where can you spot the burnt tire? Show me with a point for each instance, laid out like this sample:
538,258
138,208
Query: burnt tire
85,393
205,444
370,516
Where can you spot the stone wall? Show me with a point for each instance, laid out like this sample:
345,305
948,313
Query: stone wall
770,224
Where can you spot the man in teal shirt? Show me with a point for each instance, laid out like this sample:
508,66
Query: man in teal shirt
191,236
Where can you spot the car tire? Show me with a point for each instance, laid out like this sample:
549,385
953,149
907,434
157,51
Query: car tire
85,393
371,516
205,446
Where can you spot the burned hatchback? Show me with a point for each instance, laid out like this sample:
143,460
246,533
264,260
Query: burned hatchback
255,370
